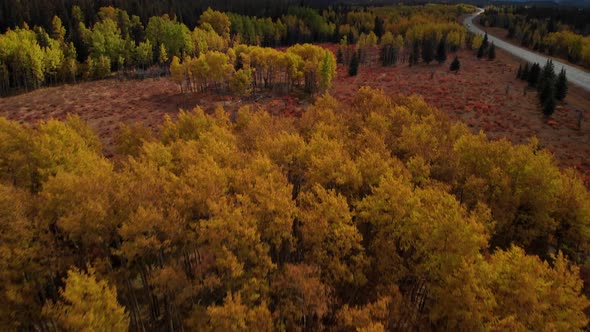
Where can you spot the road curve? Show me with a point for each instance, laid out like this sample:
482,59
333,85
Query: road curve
574,75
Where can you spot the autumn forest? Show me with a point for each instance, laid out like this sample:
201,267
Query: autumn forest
375,213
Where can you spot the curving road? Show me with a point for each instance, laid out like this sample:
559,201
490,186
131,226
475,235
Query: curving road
574,75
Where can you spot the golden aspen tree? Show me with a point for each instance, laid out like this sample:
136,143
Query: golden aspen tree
87,304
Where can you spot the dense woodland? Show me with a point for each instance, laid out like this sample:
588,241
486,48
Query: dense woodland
376,215
380,214
114,40
560,32
39,12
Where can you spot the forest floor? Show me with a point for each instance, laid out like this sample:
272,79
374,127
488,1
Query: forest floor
485,95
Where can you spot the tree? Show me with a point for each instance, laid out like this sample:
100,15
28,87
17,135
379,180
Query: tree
441,51
519,72
327,71
58,32
390,49
329,238
162,54
354,65
177,72
217,20
561,85
415,55
534,295
525,72
379,26
547,73
492,52
485,42
534,74
233,315
428,49
143,54
481,51
549,102
87,304
455,65
241,83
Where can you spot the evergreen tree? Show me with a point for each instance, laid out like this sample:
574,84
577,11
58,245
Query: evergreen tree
415,55
561,85
484,43
524,75
379,26
441,51
481,51
546,90
549,103
533,75
548,74
455,65
519,72
492,52
428,49
354,65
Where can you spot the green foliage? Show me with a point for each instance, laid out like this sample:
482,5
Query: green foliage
173,35
241,83
327,71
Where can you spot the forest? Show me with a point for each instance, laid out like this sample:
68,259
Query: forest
114,41
371,212
377,215
563,32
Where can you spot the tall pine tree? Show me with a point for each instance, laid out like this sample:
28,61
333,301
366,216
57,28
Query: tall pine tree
492,52
455,65
441,51
354,65
428,49
561,85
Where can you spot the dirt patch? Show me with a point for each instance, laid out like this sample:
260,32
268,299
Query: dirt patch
106,104
484,94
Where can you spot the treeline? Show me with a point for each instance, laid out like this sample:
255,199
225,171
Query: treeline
547,34
117,41
244,69
379,214
574,17
39,12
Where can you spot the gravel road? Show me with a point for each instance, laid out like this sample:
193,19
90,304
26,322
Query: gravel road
574,75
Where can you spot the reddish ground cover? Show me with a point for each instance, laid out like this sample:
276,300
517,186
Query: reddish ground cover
484,94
